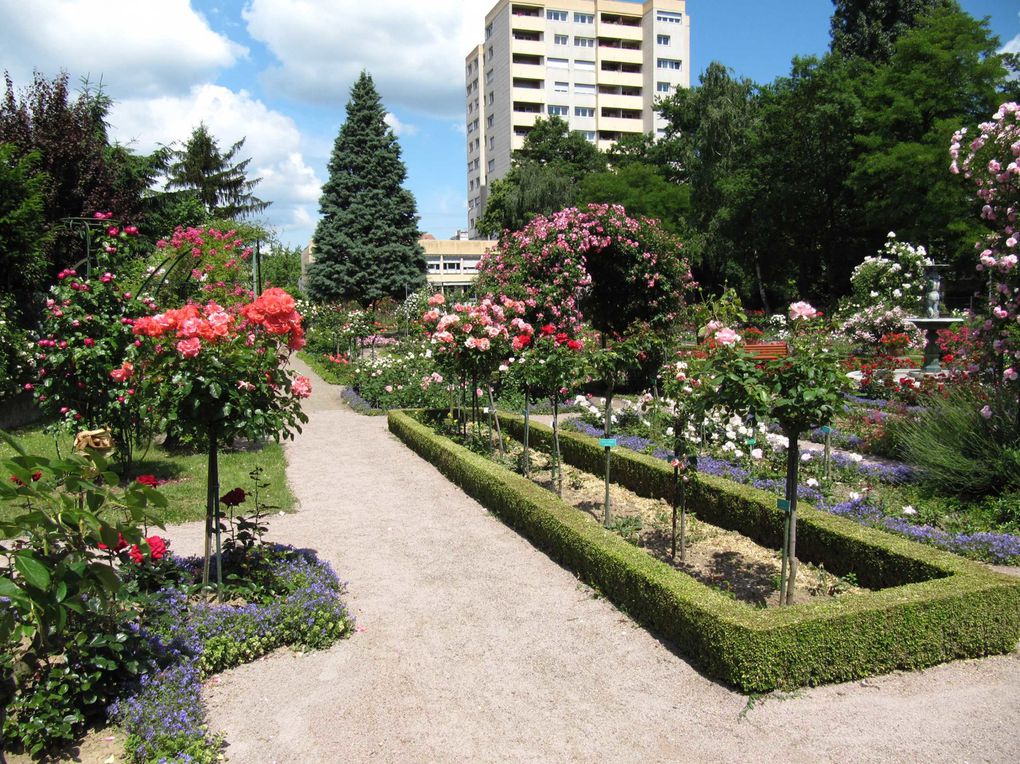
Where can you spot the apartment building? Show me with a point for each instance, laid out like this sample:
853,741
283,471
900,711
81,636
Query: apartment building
598,64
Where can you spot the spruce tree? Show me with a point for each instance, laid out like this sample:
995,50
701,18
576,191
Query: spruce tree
220,183
366,244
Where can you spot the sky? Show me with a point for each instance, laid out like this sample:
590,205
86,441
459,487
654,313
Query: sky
278,73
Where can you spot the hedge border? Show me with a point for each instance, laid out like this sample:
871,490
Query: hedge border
962,610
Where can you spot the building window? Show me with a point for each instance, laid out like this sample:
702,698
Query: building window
489,119
584,42
667,63
451,266
490,52
662,39
558,63
492,97
584,18
589,135
556,15
558,111
433,267
488,77
581,65
492,165
492,143
584,111
583,89
662,87
471,265
560,39
561,87
488,31
668,17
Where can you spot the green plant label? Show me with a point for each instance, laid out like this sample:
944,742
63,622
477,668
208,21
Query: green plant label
607,442
826,430
783,504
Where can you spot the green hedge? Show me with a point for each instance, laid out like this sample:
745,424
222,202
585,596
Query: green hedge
961,610
878,559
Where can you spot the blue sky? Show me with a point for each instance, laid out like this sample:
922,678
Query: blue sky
278,72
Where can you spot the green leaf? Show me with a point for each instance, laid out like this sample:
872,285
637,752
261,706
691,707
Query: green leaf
11,590
34,572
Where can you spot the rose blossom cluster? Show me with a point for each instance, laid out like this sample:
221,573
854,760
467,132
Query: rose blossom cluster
992,161
191,326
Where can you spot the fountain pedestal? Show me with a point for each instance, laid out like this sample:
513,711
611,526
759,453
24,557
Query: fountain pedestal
930,327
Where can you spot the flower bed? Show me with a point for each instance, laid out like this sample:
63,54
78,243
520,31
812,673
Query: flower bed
295,602
934,607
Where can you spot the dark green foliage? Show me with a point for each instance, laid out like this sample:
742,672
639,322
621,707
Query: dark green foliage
869,28
366,244
23,270
708,144
942,74
960,452
642,190
543,178
220,183
75,160
528,189
941,607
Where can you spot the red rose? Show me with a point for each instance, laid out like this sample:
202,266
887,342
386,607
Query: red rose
157,547
233,498
150,480
135,553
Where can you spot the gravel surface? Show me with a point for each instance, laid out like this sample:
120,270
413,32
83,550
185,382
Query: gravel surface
473,646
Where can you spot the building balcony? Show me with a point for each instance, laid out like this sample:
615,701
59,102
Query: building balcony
534,48
623,55
612,101
620,125
619,31
624,79
524,119
527,95
528,23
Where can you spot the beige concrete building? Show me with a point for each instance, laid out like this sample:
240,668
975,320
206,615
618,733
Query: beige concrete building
598,64
453,263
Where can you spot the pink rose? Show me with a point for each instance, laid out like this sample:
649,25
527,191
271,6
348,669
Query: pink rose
726,336
190,347
301,387
802,310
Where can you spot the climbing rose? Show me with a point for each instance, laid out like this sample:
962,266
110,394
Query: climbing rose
190,347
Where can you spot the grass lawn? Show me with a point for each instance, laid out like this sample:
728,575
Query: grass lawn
334,374
185,473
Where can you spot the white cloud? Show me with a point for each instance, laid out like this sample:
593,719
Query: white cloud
1013,46
272,140
399,128
138,48
414,51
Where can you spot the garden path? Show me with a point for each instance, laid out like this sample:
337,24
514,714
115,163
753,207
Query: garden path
473,646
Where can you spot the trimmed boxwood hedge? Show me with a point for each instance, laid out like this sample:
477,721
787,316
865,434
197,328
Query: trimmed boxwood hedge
936,607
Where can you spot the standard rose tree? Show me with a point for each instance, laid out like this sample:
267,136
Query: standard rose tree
222,373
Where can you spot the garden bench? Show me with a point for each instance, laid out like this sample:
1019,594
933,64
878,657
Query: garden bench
768,351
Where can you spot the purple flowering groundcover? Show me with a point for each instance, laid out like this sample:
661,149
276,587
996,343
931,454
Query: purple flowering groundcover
293,598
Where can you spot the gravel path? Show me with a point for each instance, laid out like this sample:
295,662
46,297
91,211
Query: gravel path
473,646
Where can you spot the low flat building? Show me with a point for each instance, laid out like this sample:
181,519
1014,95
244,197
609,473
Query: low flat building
453,263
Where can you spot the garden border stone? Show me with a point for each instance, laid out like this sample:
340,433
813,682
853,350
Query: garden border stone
935,606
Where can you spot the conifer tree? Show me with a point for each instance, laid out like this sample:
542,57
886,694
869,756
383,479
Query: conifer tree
220,183
366,244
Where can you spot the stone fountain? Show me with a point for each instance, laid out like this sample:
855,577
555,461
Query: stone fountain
933,321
